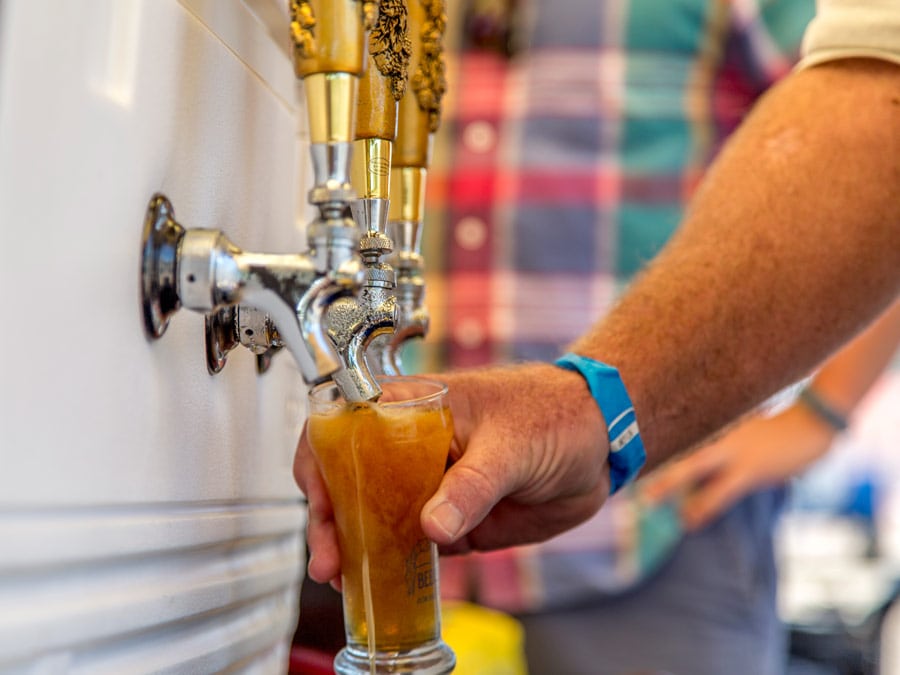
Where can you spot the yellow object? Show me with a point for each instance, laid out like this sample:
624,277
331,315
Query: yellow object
486,642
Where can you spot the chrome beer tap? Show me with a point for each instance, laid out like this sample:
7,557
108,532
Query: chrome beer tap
202,270
374,312
330,55
418,120
248,295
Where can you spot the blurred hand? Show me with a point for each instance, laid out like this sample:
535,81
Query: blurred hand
321,533
528,462
759,452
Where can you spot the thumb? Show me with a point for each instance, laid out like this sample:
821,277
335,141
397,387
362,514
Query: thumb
465,496
469,490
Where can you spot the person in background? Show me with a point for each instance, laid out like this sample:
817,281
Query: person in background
770,272
520,136
765,450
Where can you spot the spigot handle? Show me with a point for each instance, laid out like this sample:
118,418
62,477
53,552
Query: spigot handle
420,109
329,53
376,128
328,35
381,88
384,81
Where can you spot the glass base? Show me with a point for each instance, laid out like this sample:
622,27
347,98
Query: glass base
431,658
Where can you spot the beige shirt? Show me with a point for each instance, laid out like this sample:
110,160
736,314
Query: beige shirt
853,28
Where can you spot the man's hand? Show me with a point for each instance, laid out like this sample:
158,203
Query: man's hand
528,461
529,458
757,453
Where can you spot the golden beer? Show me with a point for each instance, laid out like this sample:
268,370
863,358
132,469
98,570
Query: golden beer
381,462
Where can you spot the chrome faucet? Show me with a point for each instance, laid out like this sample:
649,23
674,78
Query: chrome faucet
324,305
202,270
373,314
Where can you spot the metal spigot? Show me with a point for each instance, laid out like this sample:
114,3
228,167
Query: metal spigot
418,120
353,323
329,54
202,270
323,305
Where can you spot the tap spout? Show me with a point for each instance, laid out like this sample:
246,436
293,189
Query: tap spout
386,351
352,326
353,323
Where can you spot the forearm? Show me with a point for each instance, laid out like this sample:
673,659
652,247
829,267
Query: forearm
790,247
848,375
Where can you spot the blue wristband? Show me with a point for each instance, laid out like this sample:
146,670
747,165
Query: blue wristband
626,450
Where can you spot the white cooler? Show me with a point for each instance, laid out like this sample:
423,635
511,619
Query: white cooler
148,517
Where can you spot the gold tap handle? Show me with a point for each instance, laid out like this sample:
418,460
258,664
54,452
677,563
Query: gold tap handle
380,88
328,35
420,109
329,55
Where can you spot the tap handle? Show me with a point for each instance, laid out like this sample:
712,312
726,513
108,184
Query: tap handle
329,53
420,110
381,88
384,81
328,35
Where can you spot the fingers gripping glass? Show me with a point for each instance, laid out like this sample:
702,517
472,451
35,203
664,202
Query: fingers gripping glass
381,462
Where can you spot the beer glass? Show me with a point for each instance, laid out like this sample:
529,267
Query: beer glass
381,462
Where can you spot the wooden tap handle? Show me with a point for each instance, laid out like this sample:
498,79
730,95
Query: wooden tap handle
384,82
420,109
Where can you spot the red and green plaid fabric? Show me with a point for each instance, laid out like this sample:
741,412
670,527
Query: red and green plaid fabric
560,171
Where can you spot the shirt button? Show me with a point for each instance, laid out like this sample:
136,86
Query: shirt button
469,333
470,233
479,137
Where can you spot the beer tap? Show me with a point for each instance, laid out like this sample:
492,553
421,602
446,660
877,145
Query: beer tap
373,312
202,270
418,120
331,68
247,295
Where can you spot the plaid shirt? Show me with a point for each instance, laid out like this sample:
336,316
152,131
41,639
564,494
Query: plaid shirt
559,172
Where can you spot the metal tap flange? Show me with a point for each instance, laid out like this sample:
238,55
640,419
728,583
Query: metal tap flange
159,271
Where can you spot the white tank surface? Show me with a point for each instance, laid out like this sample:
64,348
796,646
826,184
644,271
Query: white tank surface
148,517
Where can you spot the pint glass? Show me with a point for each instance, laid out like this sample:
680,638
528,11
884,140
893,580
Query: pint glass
381,462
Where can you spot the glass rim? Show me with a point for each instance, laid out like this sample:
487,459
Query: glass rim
441,389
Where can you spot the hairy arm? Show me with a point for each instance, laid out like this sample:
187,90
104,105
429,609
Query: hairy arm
790,247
